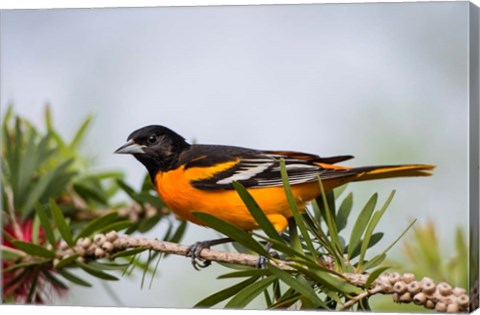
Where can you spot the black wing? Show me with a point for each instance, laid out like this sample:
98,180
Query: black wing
256,169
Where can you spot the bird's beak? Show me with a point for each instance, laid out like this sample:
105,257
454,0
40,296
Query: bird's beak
130,148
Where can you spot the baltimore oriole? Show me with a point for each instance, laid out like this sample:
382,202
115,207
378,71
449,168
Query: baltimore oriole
198,178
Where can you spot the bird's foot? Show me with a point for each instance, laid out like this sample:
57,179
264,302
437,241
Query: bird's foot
194,251
262,260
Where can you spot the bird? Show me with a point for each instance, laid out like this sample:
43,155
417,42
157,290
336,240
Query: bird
193,178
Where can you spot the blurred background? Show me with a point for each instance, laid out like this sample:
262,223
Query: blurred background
387,83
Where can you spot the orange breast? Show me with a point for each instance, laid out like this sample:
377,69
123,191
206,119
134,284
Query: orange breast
176,191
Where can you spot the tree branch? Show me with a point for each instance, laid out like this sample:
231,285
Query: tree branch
404,288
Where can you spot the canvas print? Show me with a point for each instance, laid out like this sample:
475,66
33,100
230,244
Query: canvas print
286,157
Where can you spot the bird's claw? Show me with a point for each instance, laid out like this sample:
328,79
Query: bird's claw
262,260
194,252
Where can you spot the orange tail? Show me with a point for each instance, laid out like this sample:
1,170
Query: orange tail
389,171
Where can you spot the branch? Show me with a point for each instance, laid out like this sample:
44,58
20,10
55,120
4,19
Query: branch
404,288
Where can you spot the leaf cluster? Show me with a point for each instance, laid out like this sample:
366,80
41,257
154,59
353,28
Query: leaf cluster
50,196
315,248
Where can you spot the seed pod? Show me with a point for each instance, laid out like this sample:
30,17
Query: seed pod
452,308
408,277
427,285
420,298
394,277
441,307
63,245
99,252
99,239
406,297
444,288
429,304
79,250
400,287
91,248
85,242
107,246
111,236
463,300
413,287
459,291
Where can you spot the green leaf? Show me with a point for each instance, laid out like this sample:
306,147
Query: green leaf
95,271
54,280
180,231
34,250
294,208
116,226
376,237
371,227
91,190
108,266
130,192
61,223
148,223
344,212
45,224
97,224
72,278
129,252
361,224
245,273
247,294
81,133
329,215
374,275
375,261
35,230
225,293
39,190
256,212
231,231
66,261
8,253
299,286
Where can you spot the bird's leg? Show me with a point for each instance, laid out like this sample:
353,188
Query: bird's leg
195,250
262,260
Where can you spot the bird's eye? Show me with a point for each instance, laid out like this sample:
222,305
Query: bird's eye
152,139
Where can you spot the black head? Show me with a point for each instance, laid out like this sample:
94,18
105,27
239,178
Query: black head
156,147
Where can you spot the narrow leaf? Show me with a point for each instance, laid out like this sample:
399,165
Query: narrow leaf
247,294
301,287
95,271
371,227
80,133
129,252
97,224
294,208
67,261
232,231
374,275
361,224
344,212
225,293
61,223
72,278
256,212
45,224
34,250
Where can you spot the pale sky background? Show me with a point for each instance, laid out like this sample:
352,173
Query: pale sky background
387,83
